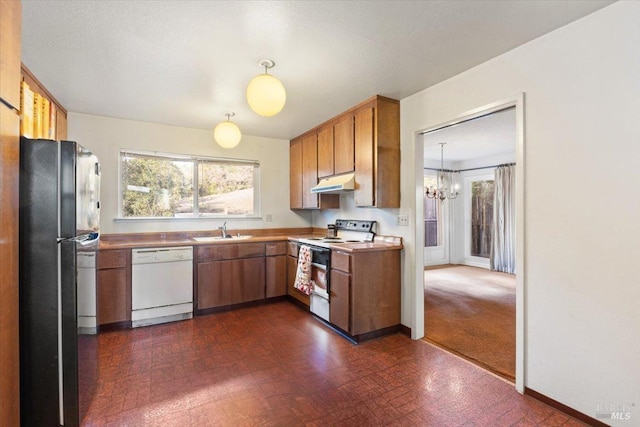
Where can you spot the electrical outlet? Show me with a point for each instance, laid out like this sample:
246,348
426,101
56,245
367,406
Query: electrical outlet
268,218
403,220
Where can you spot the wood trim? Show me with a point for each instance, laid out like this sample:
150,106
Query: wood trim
405,330
377,333
116,326
255,303
10,42
35,84
351,110
564,408
9,279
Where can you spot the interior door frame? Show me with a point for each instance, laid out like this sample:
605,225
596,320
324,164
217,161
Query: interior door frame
516,101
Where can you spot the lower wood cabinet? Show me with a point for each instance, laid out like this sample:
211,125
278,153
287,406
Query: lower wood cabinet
228,282
276,264
232,274
276,279
339,312
113,287
365,291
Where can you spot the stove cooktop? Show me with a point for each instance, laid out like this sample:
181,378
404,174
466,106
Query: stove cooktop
326,241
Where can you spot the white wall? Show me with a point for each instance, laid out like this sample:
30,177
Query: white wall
105,136
582,200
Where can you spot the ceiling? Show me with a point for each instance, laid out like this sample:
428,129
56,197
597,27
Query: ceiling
485,136
185,63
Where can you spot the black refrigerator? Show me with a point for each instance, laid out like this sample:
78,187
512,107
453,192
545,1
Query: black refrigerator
59,209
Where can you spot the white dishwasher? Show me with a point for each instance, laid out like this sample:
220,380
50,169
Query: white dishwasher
161,285
86,292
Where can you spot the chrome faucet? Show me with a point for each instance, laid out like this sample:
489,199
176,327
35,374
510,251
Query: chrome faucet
223,230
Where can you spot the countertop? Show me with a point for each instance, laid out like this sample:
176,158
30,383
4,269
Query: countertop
163,240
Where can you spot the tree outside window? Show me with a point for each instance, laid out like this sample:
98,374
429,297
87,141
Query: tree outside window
164,186
481,217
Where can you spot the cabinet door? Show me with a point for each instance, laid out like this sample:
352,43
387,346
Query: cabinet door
325,152
295,175
10,23
309,171
343,154
9,305
212,277
364,158
340,300
61,125
276,280
113,296
248,280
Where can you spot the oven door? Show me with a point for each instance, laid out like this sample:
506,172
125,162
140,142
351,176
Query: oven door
319,298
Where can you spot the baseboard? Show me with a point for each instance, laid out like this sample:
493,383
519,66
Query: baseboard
564,408
116,326
405,330
212,310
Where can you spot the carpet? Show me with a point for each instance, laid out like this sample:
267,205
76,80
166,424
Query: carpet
471,311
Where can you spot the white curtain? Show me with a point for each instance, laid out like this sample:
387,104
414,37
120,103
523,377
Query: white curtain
503,247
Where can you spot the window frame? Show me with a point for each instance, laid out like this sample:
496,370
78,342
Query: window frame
195,159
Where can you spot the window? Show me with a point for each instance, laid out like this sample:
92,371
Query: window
481,217
431,214
174,186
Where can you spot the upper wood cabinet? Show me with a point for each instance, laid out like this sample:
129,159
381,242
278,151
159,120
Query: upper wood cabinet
377,154
343,137
336,148
303,175
295,175
309,171
325,152
58,115
364,139
10,24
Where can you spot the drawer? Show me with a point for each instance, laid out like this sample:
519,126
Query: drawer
341,261
115,258
276,248
234,251
293,249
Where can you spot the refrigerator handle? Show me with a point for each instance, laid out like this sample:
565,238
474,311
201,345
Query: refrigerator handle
97,170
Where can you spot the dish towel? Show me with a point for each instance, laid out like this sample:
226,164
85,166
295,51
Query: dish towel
303,281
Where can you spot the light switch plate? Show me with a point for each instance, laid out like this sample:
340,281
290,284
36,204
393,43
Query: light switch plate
403,220
268,218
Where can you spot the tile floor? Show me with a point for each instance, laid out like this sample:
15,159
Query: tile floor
276,365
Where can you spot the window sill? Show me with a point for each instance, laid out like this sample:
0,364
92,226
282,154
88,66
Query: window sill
201,218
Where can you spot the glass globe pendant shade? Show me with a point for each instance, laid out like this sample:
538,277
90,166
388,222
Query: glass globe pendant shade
265,93
227,134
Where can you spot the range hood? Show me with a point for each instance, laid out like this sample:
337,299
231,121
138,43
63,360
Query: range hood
335,184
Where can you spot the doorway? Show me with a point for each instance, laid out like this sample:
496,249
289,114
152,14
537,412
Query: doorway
469,284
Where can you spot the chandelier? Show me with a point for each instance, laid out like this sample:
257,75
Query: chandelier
445,188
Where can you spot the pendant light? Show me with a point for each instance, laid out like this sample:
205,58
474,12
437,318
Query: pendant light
227,134
265,93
